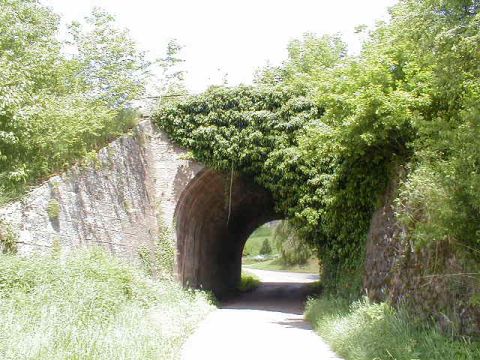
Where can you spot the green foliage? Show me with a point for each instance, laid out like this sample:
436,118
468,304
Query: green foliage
109,67
411,98
173,75
363,331
266,248
165,251
91,305
262,231
293,250
147,260
240,125
255,241
254,129
56,251
55,108
159,260
53,209
248,282
308,58
8,238
273,135
439,199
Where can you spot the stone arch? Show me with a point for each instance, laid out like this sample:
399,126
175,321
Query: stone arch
209,240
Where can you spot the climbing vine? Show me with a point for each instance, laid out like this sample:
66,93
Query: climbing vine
324,133
277,136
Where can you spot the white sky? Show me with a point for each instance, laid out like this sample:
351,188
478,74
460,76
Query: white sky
226,36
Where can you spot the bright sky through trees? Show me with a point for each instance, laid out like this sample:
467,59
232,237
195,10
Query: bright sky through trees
229,37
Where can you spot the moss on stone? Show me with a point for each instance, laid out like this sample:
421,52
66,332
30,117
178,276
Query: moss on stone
8,238
53,209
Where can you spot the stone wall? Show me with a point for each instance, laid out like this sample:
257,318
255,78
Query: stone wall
435,282
117,201
132,193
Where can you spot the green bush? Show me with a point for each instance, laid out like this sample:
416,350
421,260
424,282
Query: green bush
293,250
55,109
8,238
256,240
91,305
53,209
158,260
364,331
266,248
248,282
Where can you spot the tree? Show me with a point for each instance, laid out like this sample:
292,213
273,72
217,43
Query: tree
29,58
55,108
293,249
266,248
173,75
107,60
308,58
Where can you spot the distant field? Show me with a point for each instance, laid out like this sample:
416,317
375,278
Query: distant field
272,262
255,241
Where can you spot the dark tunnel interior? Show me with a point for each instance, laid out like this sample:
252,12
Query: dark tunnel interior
214,218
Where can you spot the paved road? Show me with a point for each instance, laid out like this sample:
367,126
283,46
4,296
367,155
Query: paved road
266,323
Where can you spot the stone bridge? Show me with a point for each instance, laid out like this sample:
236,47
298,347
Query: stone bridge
137,187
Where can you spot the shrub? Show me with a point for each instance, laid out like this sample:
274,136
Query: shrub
248,282
266,248
53,209
363,331
8,238
293,249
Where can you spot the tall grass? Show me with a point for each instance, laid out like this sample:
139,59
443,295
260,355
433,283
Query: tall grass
91,306
367,331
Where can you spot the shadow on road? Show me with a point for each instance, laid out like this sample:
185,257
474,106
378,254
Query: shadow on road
285,297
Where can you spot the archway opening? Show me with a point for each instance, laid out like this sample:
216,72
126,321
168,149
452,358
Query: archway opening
261,247
215,215
276,246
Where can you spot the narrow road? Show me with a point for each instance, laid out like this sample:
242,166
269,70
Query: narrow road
266,323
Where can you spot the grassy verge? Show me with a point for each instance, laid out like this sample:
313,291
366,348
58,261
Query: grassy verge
366,331
91,306
278,265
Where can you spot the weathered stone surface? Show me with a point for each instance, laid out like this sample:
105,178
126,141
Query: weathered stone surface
139,185
433,281
383,248
116,201
142,183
